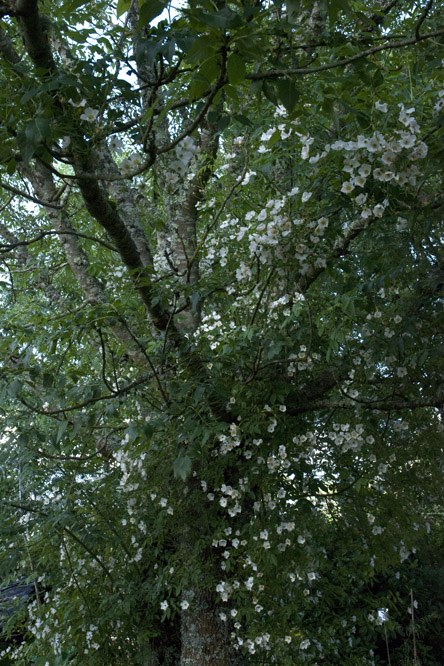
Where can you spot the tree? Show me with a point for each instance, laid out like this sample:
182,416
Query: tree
222,275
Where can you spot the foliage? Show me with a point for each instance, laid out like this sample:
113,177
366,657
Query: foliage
222,273
419,583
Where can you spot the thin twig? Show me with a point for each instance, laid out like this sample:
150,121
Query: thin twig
148,359
261,295
221,81
103,351
218,214
282,73
387,644
422,18
412,607
11,246
5,205
20,193
85,403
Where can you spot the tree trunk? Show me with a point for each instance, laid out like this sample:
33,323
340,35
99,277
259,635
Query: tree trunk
205,640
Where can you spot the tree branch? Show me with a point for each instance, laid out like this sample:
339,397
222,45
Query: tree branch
7,50
422,18
214,221
99,206
72,408
388,405
29,197
11,246
8,11
339,249
281,73
24,258
126,200
34,34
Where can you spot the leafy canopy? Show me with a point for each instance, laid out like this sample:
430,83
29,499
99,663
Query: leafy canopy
222,272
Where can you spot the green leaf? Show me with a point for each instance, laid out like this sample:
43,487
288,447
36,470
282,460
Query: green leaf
37,130
293,10
198,86
198,394
11,166
222,19
236,69
378,78
132,432
361,484
182,466
223,122
15,387
61,430
149,9
25,146
335,6
288,93
232,93
210,68
269,92
201,49
122,7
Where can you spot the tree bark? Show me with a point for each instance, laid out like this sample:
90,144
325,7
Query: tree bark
205,640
